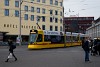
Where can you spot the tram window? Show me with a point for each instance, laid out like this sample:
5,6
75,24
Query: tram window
32,38
54,39
74,38
39,39
68,39
47,38
57,39
62,39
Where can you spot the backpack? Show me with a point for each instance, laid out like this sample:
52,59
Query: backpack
14,46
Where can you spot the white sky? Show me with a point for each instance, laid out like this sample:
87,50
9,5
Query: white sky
85,8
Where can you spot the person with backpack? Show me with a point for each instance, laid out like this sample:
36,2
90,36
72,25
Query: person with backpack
11,48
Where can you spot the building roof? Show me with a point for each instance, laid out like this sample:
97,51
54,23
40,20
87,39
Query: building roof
97,20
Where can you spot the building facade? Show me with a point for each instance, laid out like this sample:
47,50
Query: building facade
77,24
20,17
94,30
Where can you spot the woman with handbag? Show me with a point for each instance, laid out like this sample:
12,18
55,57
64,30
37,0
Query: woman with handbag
11,53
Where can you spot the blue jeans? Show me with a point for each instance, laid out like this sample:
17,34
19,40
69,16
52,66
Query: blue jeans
86,55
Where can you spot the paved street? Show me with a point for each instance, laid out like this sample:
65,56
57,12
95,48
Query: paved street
62,57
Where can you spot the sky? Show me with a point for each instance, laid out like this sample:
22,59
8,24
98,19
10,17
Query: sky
82,8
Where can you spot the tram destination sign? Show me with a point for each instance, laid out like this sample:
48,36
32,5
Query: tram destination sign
51,33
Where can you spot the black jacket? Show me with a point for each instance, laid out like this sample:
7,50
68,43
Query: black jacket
10,43
85,46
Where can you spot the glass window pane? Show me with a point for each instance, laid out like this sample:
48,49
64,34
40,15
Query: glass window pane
26,17
6,2
32,17
16,3
6,12
16,13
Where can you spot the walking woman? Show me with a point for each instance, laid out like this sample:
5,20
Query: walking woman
11,48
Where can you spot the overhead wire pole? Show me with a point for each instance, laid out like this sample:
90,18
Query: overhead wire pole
64,29
38,18
20,23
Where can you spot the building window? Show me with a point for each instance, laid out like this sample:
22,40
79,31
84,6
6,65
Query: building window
56,12
26,8
60,13
6,12
16,13
43,18
60,20
38,18
51,12
56,2
32,9
38,0
6,2
32,17
56,28
38,10
60,28
51,28
43,11
26,16
43,1
51,19
56,20
43,27
51,1
16,3
61,4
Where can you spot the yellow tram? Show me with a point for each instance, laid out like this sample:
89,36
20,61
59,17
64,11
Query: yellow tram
39,39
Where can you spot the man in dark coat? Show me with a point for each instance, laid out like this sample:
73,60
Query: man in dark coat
10,43
85,46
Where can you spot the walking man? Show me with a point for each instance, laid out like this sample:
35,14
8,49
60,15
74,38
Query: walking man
11,48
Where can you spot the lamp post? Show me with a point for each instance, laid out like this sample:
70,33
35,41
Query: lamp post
20,38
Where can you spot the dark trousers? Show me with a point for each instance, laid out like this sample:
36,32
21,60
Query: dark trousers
86,55
12,55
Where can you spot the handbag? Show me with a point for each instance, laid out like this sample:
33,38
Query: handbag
10,55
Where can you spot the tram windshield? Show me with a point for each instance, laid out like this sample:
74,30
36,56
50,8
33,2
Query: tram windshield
32,38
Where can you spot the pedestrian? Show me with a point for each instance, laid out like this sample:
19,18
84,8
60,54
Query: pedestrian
95,47
91,47
86,46
98,47
11,48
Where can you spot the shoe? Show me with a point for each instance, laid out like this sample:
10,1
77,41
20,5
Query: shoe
7,60
16,59
88,61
